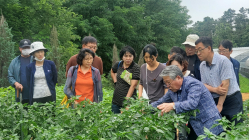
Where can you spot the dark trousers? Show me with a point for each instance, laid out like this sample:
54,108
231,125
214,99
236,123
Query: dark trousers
232,105
192,135
43,100
116,109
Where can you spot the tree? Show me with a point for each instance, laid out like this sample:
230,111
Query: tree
6,51
205,27
115,57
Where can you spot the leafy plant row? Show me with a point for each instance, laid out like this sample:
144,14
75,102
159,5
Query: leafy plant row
96,121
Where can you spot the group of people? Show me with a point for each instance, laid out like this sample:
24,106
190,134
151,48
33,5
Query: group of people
194,78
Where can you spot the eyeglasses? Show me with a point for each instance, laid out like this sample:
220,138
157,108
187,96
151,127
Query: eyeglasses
168,84
199,51
222,51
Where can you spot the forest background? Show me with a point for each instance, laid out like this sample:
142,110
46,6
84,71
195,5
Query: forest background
61,25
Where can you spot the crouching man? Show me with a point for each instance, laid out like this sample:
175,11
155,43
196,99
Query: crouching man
187,94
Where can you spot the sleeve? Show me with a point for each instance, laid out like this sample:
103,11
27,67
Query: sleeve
69,65
11,77
237,74
165,99
141,75
54,73
99,87
202,72
194,92
136,73
226,70
115,67
67,88
101,67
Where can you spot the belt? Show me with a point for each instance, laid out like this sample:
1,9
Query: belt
233,94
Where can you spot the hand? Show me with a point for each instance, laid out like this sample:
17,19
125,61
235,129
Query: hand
166,107
18,86
220,107
221,90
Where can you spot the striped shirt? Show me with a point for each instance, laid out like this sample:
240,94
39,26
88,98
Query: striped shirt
122,87
220,69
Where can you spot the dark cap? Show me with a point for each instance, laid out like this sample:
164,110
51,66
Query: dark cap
24,43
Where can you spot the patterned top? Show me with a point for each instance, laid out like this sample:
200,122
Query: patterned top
122,87
40,84
221,69
191,96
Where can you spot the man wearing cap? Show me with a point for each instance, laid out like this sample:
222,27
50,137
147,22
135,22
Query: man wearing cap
193,61
17,70
90,43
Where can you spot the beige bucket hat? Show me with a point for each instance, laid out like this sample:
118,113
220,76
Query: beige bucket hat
35,46
191,39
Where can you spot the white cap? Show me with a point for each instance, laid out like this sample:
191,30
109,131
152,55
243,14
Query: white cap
191,39
35,46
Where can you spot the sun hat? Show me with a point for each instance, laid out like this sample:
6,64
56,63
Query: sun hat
35,46
191,39
24,43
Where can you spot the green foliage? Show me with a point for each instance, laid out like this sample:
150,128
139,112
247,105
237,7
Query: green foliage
6,51
94,121
244,84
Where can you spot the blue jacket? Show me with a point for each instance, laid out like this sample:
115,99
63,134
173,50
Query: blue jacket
236,66
69,88
194,95
14,71
50,74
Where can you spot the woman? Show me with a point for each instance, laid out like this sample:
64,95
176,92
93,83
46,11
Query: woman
150,80
181,63
122,88
41,76
84,80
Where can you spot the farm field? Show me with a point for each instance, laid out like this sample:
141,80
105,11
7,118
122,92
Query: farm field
97,121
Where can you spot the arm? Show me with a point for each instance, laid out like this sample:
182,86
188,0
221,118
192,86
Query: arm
11,77
221,90
101,67
194,92
223,97
28,72
132,87
99,86
114,76
54,73
165,99
140,91
67,88
69,64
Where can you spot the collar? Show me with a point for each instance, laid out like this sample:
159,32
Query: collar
131,65
214,60
89,71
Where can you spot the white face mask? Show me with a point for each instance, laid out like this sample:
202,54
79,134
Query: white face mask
25,52
40,59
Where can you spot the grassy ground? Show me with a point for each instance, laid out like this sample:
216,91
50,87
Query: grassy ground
244,84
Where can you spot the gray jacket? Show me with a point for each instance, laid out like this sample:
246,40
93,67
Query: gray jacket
14,71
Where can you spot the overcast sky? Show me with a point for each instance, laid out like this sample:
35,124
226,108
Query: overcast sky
198,9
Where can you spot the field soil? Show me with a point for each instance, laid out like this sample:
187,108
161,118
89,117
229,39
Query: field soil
245,96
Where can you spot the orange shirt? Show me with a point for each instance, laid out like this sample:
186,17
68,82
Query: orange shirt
84,85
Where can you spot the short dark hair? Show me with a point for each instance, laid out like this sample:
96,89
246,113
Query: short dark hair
206,41
82,54
89,39
151,50
127,49
227,44
179,50
180,59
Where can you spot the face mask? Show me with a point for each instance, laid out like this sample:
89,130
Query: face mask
25,51
40,59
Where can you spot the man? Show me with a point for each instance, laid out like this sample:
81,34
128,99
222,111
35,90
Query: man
90,43
17,71
218,76
193,61
187,94
225,49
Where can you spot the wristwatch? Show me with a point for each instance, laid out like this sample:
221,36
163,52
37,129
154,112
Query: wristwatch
174,107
